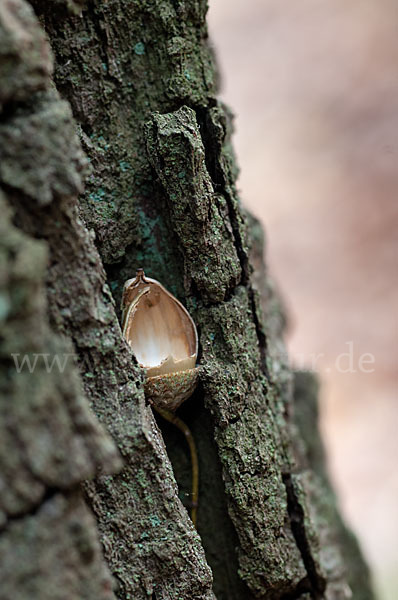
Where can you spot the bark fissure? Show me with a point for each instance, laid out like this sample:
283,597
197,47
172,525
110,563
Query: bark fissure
213,141
297,521
303,588
262,338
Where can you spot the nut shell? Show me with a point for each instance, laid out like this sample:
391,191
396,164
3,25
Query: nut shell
163,337
170,390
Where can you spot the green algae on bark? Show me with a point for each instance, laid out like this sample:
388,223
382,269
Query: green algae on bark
141,82
42,175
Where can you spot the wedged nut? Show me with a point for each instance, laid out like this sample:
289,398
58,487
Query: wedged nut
163,337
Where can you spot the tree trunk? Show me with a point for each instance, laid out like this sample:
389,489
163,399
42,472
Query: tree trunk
89,503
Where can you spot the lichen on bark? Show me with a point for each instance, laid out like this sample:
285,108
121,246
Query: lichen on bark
157,190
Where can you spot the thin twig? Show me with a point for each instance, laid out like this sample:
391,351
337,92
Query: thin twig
172,418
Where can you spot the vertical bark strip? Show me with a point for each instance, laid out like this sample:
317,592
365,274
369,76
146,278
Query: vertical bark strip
138,86
50,440
141,520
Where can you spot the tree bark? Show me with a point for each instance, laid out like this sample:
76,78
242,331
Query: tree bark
90,506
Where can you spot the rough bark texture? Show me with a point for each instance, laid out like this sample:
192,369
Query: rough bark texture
157,190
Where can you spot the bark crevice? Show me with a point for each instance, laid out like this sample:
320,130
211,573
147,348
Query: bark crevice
297,520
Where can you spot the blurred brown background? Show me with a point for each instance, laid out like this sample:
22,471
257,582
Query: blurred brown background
314,85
